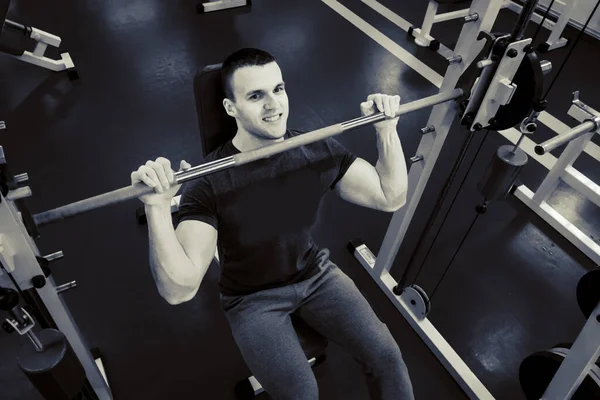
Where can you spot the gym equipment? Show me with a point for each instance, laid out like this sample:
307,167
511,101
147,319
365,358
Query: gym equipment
422,35
502,172
134,191
495,78
50,364
569,371
588,292
43,40
537,370
577,138
562,16
216,5
55,371
494,64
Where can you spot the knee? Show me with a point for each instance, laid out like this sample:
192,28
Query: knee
389,357
300,390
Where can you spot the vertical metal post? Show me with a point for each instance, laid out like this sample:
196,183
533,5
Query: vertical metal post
441,118
575,367
27,266
432,8
555,39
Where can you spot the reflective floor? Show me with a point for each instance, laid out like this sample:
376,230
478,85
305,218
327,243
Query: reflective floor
509,292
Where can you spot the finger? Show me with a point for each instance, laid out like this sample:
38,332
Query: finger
387,106
367,104
150,173
367,107
184,165
160,173
169,173
140,176
379,102
397,100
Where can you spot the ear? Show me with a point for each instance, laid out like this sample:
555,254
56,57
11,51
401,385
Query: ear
229,107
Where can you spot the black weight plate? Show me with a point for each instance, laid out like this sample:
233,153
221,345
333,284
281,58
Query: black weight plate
537,370
588,292
530,83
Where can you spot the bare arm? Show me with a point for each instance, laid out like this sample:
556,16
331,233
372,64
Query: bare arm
178,260
383,187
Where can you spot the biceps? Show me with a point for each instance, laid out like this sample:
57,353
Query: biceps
361,185
199,241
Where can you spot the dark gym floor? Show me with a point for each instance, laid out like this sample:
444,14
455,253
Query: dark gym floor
510,291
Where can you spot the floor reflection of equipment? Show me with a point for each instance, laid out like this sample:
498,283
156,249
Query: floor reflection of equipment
42,41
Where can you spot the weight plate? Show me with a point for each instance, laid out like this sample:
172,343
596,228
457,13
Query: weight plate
529,80
588,292
536,373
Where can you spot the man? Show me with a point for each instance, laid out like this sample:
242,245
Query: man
262,213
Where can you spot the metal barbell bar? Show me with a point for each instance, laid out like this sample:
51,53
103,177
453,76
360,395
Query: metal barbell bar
139,189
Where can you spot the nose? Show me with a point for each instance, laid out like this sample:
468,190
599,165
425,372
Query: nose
271,103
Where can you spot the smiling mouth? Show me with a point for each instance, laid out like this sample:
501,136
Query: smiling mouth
273,118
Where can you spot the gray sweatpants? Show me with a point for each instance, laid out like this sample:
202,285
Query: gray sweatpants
331,304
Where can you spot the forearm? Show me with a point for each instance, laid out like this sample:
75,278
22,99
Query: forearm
173,271
391,167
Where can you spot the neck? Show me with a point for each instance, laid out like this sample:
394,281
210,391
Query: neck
245,141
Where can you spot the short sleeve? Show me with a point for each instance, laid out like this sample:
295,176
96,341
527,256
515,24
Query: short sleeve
197,202
342,157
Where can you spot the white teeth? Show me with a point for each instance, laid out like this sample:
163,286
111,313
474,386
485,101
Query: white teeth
272,119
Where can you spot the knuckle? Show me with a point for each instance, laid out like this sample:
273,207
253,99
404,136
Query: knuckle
163,160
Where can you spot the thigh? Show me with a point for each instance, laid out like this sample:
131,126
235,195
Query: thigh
338,310
263,331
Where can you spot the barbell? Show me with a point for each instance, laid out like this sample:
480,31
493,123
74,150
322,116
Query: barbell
139,189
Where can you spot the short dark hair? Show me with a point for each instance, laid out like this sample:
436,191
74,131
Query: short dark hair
246,57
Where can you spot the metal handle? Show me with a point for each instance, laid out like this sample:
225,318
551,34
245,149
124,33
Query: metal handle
66,286
139,189
566,137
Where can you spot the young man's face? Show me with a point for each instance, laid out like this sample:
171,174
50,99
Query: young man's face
259,95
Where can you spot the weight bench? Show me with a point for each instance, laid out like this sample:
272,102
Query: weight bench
42,39
216,128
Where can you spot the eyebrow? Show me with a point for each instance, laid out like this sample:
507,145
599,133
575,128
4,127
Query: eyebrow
259,91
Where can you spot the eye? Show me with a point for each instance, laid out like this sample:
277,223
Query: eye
254,97
279,89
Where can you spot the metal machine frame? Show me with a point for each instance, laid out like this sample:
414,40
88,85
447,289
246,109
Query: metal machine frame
43,39
423,38
419,173
563,170
18,251
217,5
555,40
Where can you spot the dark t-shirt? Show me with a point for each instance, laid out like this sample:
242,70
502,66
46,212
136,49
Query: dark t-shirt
264,212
